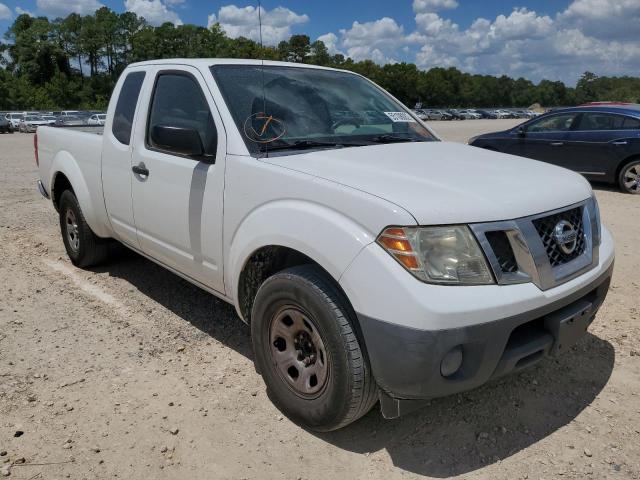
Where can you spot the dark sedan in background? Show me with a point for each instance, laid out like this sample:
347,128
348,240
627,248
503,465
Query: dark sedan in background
602,142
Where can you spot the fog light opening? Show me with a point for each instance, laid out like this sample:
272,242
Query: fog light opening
451,362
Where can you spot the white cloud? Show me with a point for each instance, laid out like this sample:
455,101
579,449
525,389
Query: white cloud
597,35
173,3
331,42
424,6
5,12
243,22
535,46
378,40
62,8
154,11
22,11
605,19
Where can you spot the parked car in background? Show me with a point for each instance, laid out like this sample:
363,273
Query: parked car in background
443,114
97,119
455,114
487,114
15,119
469,114
49,118
5,125
600,142
30,123
421,114
69,121
501,113
66,113
433,114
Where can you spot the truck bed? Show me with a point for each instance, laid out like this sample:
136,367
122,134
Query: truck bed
95,129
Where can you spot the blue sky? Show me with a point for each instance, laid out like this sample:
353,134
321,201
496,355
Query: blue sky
554,39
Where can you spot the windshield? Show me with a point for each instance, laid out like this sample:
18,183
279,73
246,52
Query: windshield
282,108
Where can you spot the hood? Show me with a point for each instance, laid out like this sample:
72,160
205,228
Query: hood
444,182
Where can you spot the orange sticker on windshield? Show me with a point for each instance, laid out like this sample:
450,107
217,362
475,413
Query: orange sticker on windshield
263,128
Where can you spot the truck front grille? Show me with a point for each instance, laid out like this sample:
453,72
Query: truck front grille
545,227
529,250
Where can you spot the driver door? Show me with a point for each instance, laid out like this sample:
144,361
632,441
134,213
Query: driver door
546,139
178,198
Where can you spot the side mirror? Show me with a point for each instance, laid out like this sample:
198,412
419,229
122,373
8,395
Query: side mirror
184,141
521,132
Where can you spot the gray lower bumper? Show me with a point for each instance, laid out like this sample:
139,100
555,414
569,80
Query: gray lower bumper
406,362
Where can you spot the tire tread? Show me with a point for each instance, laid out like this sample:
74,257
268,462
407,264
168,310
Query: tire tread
364,392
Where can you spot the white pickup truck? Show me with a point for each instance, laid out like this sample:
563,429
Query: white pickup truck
373,261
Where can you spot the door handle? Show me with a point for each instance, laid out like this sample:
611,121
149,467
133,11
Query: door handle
556,144
620,142
140,169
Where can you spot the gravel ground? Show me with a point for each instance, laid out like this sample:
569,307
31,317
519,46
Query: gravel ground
128,371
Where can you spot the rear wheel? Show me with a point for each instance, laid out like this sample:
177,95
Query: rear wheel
307,350
629,178
84,247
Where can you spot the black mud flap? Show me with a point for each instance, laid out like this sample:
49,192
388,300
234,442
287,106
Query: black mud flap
391,407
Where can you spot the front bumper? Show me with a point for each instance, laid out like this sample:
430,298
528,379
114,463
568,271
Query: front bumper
407,362
409,327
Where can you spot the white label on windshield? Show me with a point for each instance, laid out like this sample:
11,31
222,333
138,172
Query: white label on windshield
400,117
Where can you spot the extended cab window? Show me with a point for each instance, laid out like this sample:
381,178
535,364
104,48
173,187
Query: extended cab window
126,107
178,102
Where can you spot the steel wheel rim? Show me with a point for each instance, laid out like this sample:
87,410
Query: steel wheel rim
72,230
631,178
298,352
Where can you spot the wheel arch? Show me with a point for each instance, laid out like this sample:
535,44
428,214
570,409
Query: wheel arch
284,234
66,174
624,163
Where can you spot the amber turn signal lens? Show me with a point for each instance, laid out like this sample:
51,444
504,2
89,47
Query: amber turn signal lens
395,241
409,261
396,244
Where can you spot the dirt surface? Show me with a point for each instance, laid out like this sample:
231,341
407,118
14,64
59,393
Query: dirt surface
127,371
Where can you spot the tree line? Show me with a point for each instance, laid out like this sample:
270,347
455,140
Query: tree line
74,62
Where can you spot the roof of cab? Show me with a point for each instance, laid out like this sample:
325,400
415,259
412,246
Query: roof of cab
208,62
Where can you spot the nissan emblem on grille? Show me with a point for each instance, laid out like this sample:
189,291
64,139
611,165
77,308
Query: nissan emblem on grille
565,236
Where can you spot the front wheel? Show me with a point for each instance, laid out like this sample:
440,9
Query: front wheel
84,248
307,351
629,178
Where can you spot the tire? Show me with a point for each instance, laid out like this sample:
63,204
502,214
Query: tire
301,303
84,248
629,177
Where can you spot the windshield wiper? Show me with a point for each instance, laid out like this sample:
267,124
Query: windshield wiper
387,138
304,144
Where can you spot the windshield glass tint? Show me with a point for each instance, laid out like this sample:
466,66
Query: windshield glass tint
307,105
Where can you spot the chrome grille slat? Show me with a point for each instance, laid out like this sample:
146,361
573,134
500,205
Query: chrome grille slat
545,227
524,249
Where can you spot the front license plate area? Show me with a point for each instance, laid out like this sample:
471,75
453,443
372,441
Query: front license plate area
568,326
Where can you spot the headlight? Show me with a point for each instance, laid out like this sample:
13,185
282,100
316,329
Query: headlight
443,255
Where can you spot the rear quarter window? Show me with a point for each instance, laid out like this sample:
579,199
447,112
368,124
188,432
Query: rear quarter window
631,123
126,107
